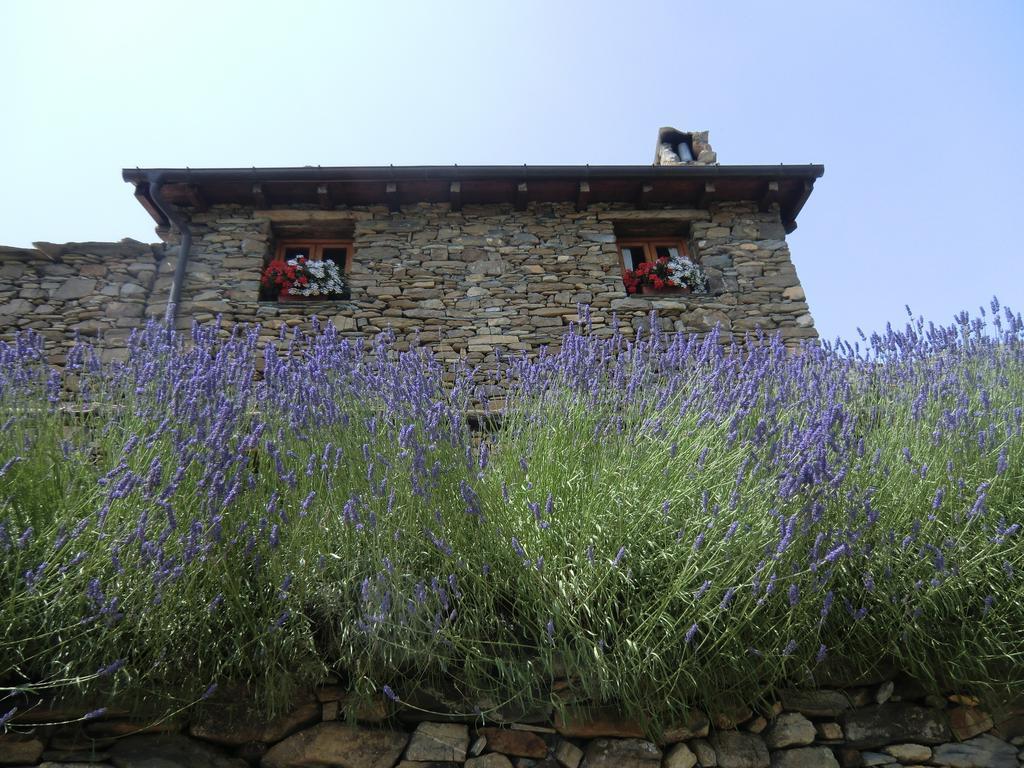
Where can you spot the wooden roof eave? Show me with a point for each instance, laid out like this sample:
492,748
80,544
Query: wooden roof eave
642,186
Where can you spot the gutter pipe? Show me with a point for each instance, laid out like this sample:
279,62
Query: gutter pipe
156,184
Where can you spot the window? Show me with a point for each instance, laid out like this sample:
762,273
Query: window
307,270
659,266
636,252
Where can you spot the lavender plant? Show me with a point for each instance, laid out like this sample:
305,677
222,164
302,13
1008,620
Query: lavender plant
658,519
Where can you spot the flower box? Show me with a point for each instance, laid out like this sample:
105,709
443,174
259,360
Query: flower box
665,277
302,279
674,290
294,297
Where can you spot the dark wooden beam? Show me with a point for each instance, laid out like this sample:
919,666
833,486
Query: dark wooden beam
770,196
391,195
142,195
258,197
455,195
643,199
789,215
521,196
708,195
323,194
195,198
582,195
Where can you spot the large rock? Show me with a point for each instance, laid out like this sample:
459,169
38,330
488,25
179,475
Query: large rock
232,727
169,751
124,249
584,722
790,729
621,753
490,760
74,288
739,750
517,743
981,752
815,703
705,753
15,750
568,754
337,744
439,742
1011,727
890,723
804,757
680,756
695,726
16,307
967,722
909,753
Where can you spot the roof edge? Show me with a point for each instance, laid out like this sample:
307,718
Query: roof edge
456,172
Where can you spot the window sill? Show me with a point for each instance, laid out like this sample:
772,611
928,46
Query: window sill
656,300
306,303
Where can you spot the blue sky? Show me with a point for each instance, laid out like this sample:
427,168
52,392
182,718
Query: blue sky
916,109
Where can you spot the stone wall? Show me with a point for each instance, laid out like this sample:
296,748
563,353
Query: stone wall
468,283
891,722
77,289
473,281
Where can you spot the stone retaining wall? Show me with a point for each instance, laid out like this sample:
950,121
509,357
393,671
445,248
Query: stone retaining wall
77,289
889,723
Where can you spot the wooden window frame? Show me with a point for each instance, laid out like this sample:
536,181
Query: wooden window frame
650,246
316,249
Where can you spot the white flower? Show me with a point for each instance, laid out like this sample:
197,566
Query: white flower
324,278
685,272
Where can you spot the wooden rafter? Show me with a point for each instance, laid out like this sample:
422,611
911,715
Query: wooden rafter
521,196
195,198
582,195
643,199
391,194
323,194
142,195
770,196
708,195
788,218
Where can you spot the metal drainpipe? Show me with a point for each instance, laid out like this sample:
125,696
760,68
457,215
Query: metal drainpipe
168,210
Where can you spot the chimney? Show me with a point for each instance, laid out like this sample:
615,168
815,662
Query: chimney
677,147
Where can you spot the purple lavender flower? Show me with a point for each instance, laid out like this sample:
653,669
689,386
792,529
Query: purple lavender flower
826,604
730,593
618,556
702,589
989,602
691,633
794,594
110,668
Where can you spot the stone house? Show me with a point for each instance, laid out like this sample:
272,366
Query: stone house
469,259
